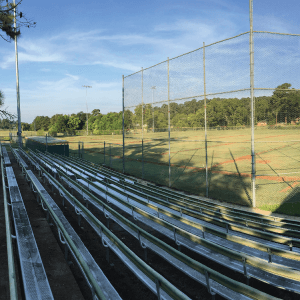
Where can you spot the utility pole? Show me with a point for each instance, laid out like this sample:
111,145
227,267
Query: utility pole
153,88
87,121
17,75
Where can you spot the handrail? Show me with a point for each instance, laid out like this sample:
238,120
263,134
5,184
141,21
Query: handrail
11,264
222,279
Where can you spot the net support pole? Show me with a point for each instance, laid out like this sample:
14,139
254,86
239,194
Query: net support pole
17,83
123,116
205,125
46,142
253,171
142,159
169,122
142,103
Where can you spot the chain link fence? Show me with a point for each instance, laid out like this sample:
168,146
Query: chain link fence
187,121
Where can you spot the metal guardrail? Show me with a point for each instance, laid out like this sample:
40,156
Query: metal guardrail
235,286
147,270
226,235
10,257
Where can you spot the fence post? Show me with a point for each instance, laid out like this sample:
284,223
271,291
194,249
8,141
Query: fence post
78,149
46,142
169,121
110,162
142,159
142,103
253,171
123,115
205,124
104,153
82,150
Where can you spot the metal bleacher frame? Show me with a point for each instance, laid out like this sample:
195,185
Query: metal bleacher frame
139,233
277,275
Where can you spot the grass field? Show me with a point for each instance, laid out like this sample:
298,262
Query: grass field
229,163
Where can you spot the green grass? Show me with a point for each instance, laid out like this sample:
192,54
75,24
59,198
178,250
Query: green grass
229,162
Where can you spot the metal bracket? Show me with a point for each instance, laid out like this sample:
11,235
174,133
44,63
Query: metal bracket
141,243
245,266
208,284
270,255
157,283
42,203
175,238
60,236
132,212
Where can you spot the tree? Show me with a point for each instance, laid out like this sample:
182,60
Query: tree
73,123
25,126
95,112
285,103
7,20
40,123
4,113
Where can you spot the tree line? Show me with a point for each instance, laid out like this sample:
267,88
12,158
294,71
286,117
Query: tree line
283,106
60,123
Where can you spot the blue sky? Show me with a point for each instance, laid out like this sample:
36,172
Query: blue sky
94,43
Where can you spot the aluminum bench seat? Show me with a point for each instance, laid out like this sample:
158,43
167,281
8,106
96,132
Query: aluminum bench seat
36,285
204,251
99,276
221,290
5,156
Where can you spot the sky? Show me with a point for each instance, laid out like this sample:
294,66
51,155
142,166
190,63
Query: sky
94,43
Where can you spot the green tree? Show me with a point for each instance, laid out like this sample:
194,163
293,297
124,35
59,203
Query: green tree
95,112
73,123
25,126
7,20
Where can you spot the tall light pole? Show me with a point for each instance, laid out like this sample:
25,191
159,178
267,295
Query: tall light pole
17,75
153,88
87,121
